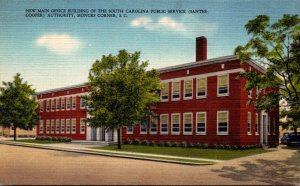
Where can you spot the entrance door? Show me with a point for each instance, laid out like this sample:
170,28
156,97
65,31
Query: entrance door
93,134
264,131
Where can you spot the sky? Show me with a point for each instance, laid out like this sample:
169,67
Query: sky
52,52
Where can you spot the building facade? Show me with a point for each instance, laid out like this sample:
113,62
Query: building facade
201,102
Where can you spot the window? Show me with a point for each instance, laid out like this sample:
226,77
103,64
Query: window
68,126
62,126
52,127
73,125
41,127
82,125
176,90
175,120
52,105
57,104
57,126
144,127
188,89
153,125
223,85
164,124
249,123
82,102
48,105
41,106
165,91
256,124
250,94
188,123
47,126
62,103
201,122
129,129
222,123
201,87
73,103
68,103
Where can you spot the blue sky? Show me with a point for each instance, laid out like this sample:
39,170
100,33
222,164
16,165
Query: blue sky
54,52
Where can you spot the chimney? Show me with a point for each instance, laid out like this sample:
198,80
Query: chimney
201,48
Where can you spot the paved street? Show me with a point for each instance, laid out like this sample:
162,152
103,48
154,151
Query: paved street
23,165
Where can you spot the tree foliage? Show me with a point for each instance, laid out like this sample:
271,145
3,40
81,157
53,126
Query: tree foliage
277,47
121,90
18,105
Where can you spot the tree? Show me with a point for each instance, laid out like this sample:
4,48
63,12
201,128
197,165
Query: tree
18,105
122,91
277,47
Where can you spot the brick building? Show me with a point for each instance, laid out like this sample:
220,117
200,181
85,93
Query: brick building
202,102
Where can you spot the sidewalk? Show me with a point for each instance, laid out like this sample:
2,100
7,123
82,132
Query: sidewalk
87,149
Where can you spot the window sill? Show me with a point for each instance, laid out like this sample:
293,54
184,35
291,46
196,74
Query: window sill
162,133
164,100
201,97
222,95
201,134
177,133
187,98
256,134
143,133
177,99
153,133
189,133
222,134
129,132
249,134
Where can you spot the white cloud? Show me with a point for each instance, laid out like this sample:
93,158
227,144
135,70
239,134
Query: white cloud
62,44
188,26
165,23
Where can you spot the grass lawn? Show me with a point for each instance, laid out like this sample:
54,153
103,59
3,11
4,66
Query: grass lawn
187,152
36,141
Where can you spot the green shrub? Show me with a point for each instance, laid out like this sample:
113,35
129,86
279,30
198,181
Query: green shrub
152,143
205,146
183,144
190,145
168,144
127,141
175,144
221,146
54,139
48,138
145,142
136,142
197,145
38,138
161,144
216,146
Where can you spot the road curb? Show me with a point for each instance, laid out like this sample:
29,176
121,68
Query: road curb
103,154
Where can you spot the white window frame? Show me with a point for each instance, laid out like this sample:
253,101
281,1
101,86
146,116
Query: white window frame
52,126
48,105
172,123
41,103
129,132
62,126
73,123
228,83
57,126
205,115
62,103
72,104
48,126
144,132
184,89
176,99
68,125
156,123
41,126
68,98
82,102
82,125
160,123
167,99
184,115
52,105
256,124
249,115
227,132
204,96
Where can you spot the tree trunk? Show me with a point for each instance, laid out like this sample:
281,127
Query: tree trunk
15,133
119,138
